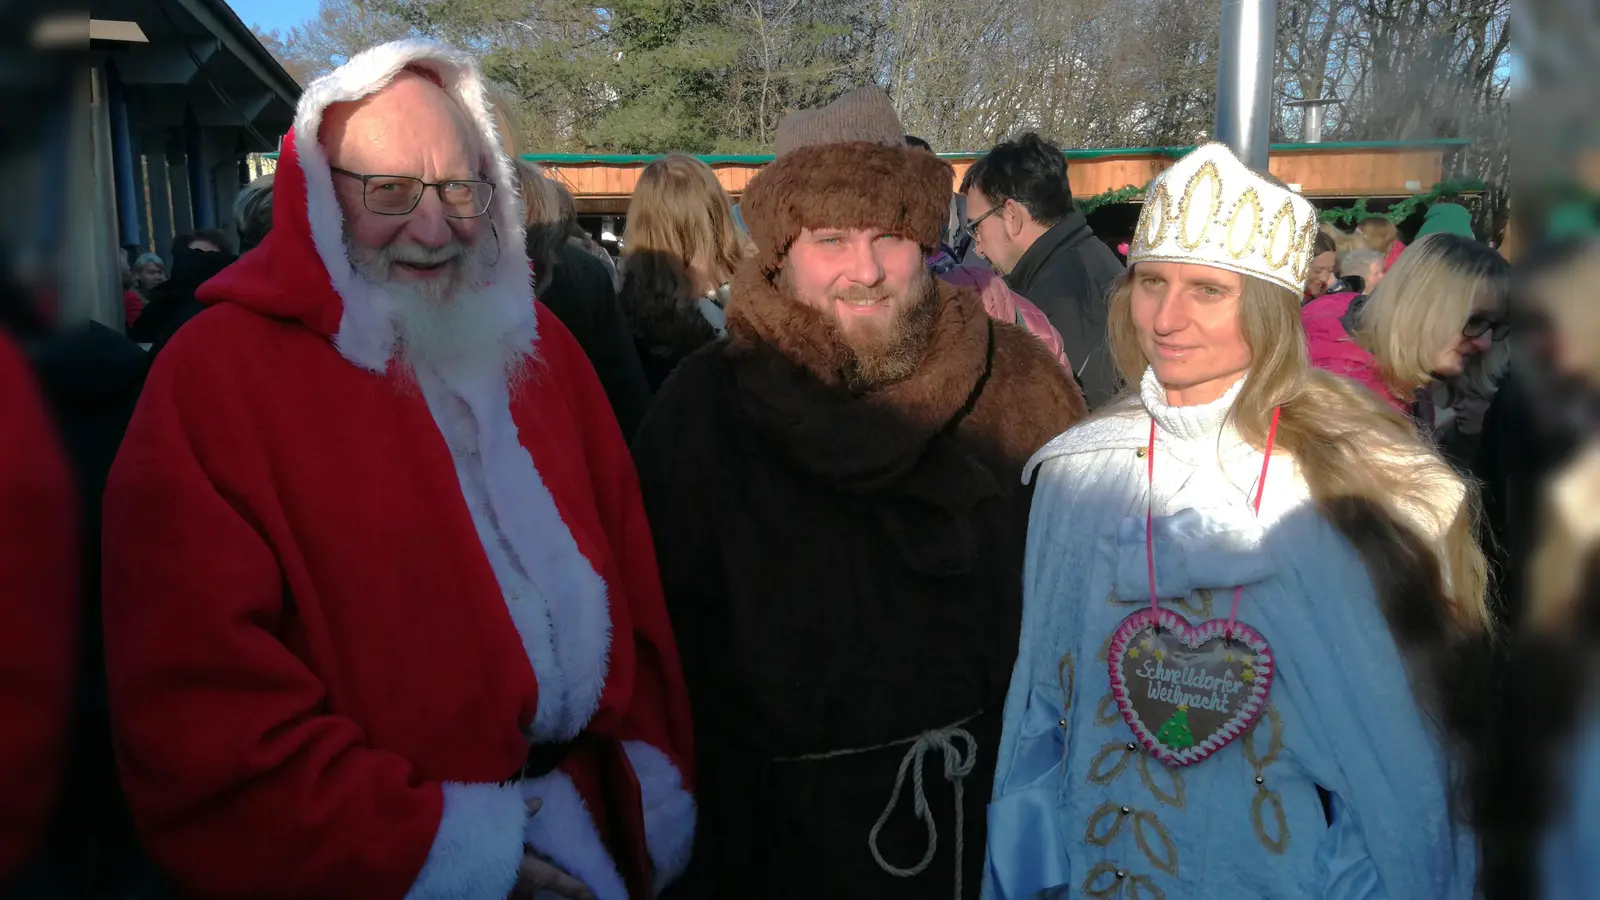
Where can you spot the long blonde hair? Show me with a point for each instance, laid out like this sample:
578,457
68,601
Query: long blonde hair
680,209
1423,303
680,243
541,216
1347,443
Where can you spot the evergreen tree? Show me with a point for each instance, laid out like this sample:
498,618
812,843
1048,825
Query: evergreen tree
1175,733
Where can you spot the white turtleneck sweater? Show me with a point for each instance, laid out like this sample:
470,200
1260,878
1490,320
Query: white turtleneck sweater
1077,813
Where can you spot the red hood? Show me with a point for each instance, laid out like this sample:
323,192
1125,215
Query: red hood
300,271
282,277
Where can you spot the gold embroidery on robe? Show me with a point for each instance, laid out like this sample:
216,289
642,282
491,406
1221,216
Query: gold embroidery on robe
1143,887
1269,715
1266,800
1067,677
1173,796
1102,882
1107,713
1198,605
1146,824
1263,798
1104,825
1123,757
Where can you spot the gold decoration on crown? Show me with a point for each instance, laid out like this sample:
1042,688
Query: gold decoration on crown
1228,217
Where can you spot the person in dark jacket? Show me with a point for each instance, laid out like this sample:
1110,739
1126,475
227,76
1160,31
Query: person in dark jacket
197,257
835,491
90,377
1022,220
576,286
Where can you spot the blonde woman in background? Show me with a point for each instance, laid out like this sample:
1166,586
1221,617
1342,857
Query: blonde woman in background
1442,303
579,289
681,249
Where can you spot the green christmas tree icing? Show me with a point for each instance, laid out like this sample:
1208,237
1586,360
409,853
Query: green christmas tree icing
1175,733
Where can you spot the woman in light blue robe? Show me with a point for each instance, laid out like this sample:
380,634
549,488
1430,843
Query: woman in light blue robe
1343,788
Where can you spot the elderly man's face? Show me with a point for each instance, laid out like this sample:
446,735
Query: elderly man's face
410,128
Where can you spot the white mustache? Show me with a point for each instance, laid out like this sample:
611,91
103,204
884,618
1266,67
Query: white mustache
419,255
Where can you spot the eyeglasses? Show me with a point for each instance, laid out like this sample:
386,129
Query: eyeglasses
970,230
1478,325
397,195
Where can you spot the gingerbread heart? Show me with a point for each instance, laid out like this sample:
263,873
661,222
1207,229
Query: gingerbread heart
1186,690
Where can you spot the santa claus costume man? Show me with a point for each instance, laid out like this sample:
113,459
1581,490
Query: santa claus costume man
378,581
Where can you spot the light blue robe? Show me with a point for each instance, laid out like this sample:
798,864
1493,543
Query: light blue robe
1076,813
1570,851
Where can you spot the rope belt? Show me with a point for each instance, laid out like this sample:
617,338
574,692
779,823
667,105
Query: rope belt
957,766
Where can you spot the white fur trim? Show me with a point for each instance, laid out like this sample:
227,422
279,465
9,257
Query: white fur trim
1122,426
366,333
478,847
557,601
669,813
564,832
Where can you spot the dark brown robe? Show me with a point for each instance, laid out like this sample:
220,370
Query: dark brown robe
843,572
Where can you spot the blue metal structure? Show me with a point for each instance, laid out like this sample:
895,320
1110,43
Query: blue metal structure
124,174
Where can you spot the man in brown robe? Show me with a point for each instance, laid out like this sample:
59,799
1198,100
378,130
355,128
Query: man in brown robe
836,497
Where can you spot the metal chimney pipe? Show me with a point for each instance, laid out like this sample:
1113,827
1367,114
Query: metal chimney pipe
1244,78
1311,123
1313,126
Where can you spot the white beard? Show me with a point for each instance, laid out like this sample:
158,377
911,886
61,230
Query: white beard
447,323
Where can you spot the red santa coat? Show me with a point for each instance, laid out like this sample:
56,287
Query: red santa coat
38,612
339,603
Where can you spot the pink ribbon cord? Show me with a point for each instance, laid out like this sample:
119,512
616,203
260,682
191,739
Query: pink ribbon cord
1149,516
1149,513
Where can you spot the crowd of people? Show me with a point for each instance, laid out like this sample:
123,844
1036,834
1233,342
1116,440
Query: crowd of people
877,536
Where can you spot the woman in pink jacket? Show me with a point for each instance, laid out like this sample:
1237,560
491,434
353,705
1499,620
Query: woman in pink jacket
1005,305
1443,302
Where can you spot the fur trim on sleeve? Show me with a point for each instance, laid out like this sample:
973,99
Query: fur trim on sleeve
564,832
478,847
669,812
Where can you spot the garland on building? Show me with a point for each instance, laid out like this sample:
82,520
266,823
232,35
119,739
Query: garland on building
1404,209
1397,212
1120,195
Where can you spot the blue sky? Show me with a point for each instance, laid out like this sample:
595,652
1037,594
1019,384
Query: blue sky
274,15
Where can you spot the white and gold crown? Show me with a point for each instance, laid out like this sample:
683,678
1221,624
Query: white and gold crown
1209,209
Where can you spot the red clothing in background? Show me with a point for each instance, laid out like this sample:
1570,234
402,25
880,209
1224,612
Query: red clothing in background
38,612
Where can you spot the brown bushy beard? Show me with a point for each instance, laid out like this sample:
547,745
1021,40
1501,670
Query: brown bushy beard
875,359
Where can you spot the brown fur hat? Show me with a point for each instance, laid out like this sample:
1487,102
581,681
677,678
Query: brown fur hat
850,184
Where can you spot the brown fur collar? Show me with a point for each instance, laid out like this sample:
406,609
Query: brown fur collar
904,190
894,443
789,381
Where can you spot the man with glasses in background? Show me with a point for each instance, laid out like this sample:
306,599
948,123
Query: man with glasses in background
1021,218
382,612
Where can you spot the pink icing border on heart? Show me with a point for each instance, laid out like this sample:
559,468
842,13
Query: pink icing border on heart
1193,636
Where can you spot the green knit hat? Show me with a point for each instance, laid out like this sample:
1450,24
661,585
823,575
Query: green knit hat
1447,218
1575,218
